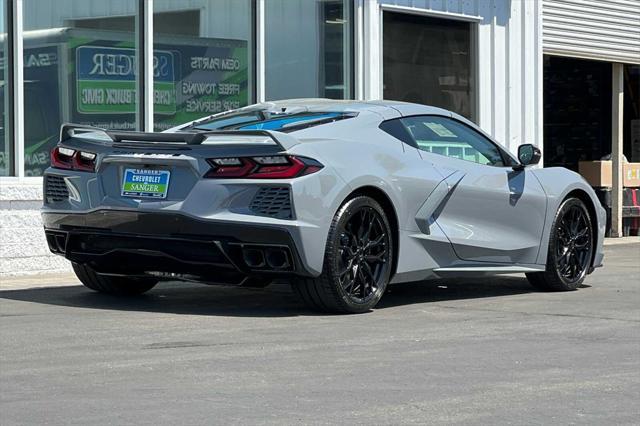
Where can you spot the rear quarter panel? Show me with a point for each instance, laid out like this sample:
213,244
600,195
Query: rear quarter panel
365,156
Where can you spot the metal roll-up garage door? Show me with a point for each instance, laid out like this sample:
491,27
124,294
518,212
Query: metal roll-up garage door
607,30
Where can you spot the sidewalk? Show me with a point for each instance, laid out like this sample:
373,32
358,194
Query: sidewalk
622,240
22,282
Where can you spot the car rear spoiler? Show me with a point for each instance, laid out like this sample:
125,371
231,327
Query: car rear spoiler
214,137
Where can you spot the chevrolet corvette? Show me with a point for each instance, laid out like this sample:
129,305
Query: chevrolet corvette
340,198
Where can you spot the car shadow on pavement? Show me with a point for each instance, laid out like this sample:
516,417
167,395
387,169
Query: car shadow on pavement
276,300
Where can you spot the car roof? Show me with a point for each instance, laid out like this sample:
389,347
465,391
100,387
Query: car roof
387,108
381,109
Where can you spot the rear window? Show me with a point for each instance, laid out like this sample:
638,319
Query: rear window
267,120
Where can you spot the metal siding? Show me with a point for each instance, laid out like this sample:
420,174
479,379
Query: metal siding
606,30
509,69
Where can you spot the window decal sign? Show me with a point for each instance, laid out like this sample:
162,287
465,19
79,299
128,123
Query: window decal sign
89,77
106,80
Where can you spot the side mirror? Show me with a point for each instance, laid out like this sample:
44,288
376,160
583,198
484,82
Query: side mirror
528,155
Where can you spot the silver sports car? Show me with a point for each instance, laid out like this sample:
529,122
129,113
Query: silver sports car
341,198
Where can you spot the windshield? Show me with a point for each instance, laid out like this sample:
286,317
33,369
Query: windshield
265,120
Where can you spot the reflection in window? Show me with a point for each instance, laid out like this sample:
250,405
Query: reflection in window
308,49
76,69
203,60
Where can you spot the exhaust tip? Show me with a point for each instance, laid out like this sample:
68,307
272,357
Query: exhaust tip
277,258
254,258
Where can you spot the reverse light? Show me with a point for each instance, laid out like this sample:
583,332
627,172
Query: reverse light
67,158
267,167
271,160
227,161
62,158
84,161
87,156
67,152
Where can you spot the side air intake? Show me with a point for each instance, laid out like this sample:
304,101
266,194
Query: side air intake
55,189
273,201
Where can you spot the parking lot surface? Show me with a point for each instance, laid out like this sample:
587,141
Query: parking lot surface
472,351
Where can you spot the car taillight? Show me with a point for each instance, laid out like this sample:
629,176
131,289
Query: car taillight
266,167
67,158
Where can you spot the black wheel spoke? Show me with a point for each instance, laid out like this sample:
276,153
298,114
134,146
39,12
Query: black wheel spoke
582,243
375,258
378,242
573,243
363,253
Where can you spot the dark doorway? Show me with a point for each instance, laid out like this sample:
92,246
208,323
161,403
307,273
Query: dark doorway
577,111
631,120
428,61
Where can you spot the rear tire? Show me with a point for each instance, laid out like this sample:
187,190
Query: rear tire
571,248
357,262
117,286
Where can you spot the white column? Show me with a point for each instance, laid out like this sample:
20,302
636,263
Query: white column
18,86
147,52
358,47
260,58
617,99
372,50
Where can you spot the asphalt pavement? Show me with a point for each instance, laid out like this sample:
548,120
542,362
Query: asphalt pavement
472,351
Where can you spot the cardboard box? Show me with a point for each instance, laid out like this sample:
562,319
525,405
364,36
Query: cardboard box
598,173
631,175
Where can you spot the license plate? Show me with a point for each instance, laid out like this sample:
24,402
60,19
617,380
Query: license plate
145,183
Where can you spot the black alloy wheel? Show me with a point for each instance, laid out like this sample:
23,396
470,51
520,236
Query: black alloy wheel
364,255
571,247
358,260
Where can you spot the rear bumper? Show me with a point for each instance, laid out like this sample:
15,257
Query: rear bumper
139,243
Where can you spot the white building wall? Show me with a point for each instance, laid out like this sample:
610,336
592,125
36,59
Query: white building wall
509,60
23,248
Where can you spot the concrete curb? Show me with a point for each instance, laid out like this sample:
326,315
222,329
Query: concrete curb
621,240
24,282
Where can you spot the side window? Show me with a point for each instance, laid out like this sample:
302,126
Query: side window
396,129
444,136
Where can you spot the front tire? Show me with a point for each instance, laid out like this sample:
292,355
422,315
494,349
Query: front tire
357,262
571,248
117,286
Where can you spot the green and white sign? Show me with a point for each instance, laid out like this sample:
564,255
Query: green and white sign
145,183
106,81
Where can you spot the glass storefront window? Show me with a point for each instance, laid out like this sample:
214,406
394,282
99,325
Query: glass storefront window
202,60
5,154
308,49
428,61
77,69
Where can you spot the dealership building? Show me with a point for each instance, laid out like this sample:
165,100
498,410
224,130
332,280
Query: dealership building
561,74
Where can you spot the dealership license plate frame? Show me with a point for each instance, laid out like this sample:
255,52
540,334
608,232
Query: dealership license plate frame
145,191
